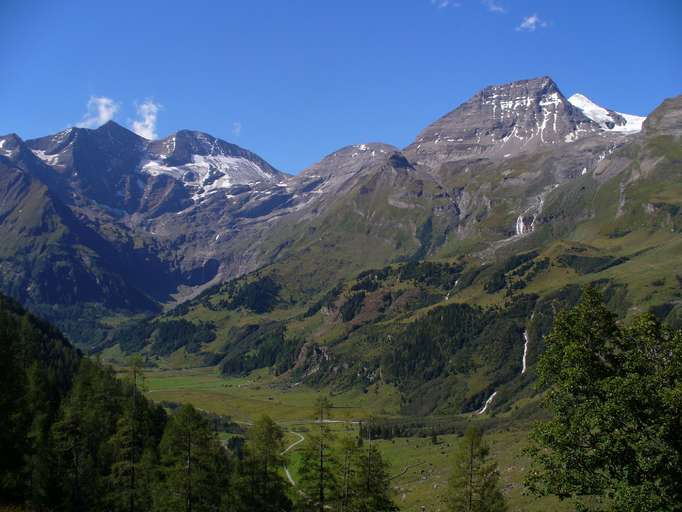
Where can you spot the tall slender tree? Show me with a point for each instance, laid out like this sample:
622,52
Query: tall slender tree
195,471
128,444
261,486
319,464
474,483
371,490
87,418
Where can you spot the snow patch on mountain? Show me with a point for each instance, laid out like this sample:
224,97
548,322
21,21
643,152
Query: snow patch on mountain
607,119
208,173
52,160
8,152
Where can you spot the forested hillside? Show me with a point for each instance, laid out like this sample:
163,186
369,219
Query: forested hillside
75,436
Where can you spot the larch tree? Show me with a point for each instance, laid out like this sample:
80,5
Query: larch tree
474,484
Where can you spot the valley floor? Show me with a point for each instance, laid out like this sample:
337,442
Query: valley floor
420,468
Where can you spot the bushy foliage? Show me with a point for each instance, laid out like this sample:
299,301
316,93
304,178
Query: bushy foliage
426,357
589,264
165,335
497,280
352,306
614,440
170,335
429,273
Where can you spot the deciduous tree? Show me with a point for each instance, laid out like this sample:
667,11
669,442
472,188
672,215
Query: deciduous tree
615,396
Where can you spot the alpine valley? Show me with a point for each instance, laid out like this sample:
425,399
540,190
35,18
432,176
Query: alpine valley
427,275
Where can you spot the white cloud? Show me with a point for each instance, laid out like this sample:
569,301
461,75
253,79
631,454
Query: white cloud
100,111
531,23
145,124
236,128
441,4
493,6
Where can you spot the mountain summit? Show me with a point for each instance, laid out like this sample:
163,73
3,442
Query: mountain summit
205,163
502,120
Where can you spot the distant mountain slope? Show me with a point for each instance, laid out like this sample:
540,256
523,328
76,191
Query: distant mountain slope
511,242
76,211
141,224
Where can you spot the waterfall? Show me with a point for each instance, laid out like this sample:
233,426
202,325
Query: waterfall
525,351
525,223
520,226
487,403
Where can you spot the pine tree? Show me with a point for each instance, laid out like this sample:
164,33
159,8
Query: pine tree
434,436
318,468
261,486
134,434
11,392
87,419
195,471
474,484
38,456
370,487
348,472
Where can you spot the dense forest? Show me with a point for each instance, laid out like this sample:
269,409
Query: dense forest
77,437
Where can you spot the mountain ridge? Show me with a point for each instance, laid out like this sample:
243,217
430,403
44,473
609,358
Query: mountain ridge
191,210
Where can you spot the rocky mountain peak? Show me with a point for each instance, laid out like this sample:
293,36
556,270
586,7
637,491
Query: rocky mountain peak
204,163
350,159
666,119
10,144
500,121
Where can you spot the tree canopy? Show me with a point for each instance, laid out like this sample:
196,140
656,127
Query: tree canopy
614,440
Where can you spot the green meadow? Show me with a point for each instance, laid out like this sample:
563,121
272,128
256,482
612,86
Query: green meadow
419,467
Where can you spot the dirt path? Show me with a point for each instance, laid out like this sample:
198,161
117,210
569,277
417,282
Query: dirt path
297,442
291,446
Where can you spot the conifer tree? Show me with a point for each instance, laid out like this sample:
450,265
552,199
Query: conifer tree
319,465
371,490
127,446
87,419
474,484
261,486
195,471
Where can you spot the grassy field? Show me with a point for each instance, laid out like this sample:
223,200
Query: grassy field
420,468
244,399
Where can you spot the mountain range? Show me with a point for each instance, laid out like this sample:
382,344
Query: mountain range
519,191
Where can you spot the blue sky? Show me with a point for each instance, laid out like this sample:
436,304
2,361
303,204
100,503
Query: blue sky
295,80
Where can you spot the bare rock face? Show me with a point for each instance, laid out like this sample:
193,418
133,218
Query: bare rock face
666,119
336,171
502,121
